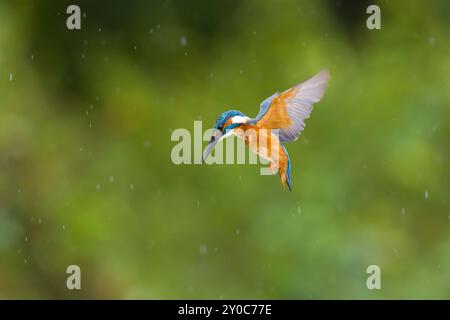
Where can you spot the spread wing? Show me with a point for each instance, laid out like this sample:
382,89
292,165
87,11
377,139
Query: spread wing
265,105
288,110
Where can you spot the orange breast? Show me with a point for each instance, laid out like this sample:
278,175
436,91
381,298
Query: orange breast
264,142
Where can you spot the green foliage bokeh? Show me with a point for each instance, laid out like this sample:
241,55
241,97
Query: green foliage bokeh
86,175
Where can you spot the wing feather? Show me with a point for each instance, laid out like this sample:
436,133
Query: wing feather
265,105
289,109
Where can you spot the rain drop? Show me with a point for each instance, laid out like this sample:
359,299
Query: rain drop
203,249
183,41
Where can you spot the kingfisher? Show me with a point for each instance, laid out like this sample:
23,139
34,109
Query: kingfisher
280,120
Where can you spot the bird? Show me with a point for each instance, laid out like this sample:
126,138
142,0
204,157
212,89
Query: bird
280,120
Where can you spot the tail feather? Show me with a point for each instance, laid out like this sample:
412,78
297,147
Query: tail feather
285,170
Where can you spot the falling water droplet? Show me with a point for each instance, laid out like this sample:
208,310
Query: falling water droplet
203,249
183,41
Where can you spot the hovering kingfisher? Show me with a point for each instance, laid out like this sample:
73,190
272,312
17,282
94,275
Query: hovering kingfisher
280,119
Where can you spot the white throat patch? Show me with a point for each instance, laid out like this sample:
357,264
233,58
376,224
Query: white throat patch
239,119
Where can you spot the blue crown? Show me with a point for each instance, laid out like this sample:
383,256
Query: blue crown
225,116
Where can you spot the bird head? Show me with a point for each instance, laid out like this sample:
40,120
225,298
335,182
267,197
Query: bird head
222,128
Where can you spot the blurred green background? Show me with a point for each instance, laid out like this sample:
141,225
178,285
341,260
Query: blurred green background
86,176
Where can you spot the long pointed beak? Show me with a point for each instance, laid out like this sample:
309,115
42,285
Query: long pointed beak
215,137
